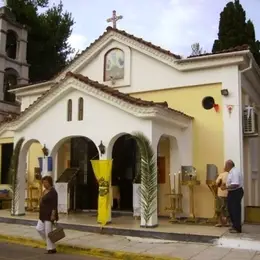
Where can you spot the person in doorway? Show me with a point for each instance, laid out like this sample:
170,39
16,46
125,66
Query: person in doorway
48,213
234,186
221,201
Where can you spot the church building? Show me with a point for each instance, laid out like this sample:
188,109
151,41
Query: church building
196,111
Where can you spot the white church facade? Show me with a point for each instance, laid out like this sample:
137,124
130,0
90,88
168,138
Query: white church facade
122,84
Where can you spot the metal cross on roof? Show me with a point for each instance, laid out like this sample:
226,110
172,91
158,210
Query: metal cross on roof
114,19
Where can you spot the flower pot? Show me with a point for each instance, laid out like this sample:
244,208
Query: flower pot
136,199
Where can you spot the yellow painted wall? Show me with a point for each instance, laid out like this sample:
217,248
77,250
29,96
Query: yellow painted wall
208,146
63,157
35,151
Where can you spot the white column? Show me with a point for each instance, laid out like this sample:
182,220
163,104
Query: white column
18,206
233,125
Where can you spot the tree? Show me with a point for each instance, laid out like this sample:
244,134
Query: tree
196,49
48,33
235,31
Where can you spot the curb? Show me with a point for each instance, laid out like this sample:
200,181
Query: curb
89,251
109,230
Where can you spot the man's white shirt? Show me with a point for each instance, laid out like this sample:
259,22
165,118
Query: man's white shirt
235,178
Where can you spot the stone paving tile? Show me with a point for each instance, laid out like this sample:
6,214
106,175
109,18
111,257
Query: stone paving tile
212,253
238,254
185,251
161,249
188,250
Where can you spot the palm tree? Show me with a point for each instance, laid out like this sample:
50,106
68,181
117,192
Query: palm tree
148,176
13,170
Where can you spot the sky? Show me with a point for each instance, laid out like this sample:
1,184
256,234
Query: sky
172,24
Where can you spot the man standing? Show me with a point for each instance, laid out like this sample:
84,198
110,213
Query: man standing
234,186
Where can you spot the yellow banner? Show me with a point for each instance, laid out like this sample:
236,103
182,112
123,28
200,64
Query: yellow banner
103,170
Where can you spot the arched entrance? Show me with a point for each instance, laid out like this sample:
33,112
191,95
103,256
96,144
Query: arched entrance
74,157
124,170
29,189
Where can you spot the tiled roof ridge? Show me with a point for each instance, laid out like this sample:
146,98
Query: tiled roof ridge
122,32
123,96
114,92
243,47
106,89
141,40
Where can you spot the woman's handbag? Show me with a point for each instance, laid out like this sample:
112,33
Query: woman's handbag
57,234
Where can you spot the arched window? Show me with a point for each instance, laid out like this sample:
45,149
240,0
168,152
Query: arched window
10,81
81,109
69,110
114,65
11,44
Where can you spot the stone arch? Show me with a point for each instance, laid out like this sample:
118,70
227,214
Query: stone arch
123,150
23,176
11,77
169,163
64,139
112,142
11,44
114,64
72,156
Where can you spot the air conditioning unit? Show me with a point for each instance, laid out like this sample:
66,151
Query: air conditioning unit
250,122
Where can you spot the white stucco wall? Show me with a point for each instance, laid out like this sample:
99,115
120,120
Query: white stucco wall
101,122
26,101
251,145
147,74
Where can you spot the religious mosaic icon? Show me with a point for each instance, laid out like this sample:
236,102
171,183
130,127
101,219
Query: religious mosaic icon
114,65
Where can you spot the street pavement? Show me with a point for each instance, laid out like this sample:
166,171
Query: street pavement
13,251
182,250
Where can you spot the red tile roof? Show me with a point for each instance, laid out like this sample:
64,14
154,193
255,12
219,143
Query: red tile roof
125,97
105,89
124,33
233,49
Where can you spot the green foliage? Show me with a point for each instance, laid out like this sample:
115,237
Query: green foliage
235,31
48,48
13,170
148,171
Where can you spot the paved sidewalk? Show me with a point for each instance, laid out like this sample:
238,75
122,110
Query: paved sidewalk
140,246
11,252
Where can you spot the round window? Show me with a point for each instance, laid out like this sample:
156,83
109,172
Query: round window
208,102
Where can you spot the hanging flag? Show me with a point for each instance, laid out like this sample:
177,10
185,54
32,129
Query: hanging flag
102,170
45,164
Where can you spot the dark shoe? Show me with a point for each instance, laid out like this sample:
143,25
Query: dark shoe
53,251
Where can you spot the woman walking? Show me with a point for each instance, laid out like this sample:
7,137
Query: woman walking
48,213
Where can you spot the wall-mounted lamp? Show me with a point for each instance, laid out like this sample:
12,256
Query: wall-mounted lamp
224,92
102,148
45,151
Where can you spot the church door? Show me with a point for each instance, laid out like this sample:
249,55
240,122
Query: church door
124,170
82,151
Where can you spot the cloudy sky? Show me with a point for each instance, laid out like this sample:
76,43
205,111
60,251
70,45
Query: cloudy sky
172,24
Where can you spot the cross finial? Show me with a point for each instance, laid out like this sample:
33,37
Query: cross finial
114,19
